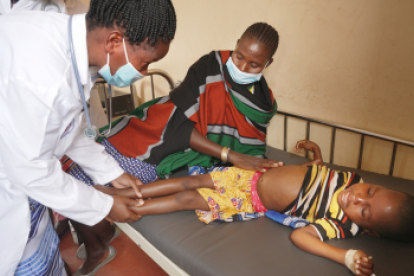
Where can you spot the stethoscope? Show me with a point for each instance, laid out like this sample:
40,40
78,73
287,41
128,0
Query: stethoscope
90,131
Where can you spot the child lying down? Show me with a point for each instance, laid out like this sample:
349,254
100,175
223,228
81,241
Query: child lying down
337,204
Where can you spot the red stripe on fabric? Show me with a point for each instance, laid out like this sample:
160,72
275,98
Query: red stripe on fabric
134,139
329,181
217,108
350,179
224,56
66,166
340,229
345,219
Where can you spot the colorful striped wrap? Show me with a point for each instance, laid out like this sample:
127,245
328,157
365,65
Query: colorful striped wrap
158,132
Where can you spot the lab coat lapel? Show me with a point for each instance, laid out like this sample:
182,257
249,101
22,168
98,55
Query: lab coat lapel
81,52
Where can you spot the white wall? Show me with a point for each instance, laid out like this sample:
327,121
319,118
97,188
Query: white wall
345,61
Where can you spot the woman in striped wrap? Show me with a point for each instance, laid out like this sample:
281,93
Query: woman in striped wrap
223,103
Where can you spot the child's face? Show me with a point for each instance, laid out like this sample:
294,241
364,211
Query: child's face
369,205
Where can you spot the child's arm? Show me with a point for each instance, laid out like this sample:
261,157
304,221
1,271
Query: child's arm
312,147
308,240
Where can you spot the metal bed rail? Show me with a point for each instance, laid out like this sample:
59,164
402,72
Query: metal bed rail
309,120
150,74
165,75
334,127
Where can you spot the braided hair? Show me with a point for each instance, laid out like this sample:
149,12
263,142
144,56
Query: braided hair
403,228
265,34
141,19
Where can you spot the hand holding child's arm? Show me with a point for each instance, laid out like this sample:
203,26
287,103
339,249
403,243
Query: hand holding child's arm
312,147
126,180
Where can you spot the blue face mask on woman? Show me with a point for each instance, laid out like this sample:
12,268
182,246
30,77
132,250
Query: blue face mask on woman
124,76
241,77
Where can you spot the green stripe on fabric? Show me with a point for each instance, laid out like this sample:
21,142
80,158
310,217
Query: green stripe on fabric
139,111
253,114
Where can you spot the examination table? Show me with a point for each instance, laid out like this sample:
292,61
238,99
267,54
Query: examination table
261,246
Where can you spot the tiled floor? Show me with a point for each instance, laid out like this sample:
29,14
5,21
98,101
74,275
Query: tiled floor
129,261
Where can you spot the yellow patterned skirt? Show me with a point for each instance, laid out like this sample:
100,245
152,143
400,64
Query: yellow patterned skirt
230,196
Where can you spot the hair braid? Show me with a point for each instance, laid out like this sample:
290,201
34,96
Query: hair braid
265,34
141,19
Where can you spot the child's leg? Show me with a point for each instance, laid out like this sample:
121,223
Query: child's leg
186,200
163,187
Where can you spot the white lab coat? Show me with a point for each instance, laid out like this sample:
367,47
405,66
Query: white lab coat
40,121
32,5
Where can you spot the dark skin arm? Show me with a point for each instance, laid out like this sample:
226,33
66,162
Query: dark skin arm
312,147
202,144
308,240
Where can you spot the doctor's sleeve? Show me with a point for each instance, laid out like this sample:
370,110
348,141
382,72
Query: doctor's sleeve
28,137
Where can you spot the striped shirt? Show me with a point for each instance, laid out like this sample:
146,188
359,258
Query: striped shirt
317,202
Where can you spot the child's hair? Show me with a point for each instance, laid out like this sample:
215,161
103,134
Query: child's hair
265,34
141,19
403,229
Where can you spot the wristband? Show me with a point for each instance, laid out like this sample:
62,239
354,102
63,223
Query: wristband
224,153
349,260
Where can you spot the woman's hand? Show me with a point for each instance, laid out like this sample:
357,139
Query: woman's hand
252,163
126,181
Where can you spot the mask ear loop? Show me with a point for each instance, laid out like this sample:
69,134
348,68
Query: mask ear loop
126,54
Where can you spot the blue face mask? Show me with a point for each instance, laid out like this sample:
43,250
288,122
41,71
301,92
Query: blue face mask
124,76
241,77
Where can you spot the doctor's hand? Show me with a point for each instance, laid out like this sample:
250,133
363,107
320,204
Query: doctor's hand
120,209
126,181
249,162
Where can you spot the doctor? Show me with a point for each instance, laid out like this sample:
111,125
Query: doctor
41,111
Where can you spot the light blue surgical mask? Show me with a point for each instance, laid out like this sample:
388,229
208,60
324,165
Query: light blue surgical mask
241,77
124,76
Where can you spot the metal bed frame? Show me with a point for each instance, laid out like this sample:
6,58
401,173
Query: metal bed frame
309,120
150,74
334,127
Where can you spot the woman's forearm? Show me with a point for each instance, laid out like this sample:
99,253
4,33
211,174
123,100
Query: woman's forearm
202,144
